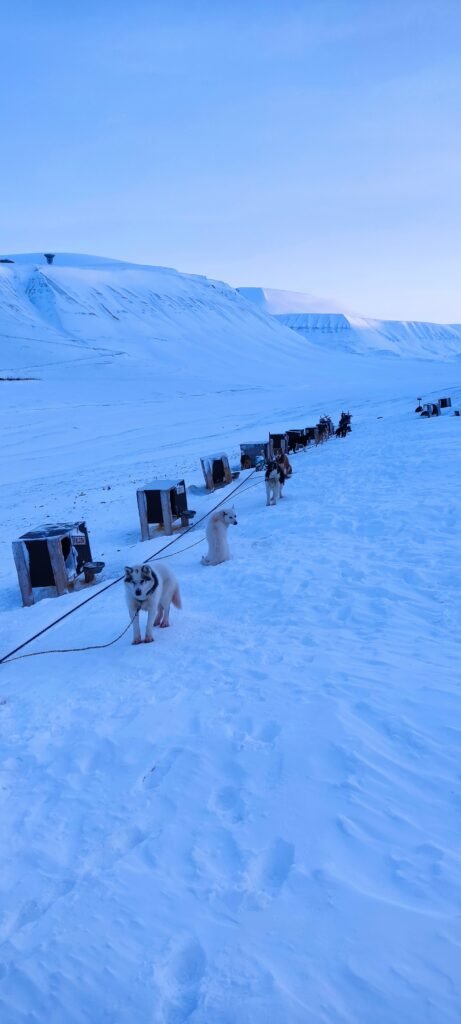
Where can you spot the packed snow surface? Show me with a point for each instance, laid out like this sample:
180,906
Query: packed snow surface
256,818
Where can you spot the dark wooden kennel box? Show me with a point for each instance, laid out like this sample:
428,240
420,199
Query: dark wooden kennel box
162,502
52,556
279,442
296,439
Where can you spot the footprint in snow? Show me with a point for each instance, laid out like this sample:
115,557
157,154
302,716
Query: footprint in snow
268,732
270,871
217,860
228,802
251,733
179,979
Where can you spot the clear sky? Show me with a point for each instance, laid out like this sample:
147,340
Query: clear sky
312,146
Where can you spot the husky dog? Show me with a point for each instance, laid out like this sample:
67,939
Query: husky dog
216,535
152,592
275,479
284,463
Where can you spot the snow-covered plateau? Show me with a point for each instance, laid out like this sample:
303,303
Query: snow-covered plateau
324,322
256,819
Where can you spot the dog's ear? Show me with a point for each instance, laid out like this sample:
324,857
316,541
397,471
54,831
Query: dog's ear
128,574
147,572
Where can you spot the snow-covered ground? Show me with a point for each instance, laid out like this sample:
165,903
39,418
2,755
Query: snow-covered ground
256,818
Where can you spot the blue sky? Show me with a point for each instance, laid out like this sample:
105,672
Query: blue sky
313,146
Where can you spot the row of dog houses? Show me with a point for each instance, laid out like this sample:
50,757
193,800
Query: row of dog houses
57,555
427,409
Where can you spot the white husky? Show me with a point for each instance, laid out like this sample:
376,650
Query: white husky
151,591
216,535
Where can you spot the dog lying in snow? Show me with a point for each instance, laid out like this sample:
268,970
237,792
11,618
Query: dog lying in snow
275,479
151,591
216,535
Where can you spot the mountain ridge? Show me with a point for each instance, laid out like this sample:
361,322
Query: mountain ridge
96,311
318,320
185,325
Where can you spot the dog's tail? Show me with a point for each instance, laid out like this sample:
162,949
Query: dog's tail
176,599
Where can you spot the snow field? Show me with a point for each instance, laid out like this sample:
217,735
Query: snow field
257,817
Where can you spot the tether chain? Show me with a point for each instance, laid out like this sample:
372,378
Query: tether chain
72,650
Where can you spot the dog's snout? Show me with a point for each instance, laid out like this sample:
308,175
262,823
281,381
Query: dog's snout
138,592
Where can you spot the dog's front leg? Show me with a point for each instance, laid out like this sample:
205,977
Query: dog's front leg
136,630
149,637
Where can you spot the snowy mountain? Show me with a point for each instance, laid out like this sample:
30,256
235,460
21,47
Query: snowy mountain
92,311
323,322
86,311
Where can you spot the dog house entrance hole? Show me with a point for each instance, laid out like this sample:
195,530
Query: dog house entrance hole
41,572
279,443
217,472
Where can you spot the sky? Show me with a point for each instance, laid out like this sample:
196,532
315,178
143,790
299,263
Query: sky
311,146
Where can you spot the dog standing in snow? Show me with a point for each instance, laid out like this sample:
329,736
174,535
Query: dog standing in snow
275,479
216,535
151,592
285,469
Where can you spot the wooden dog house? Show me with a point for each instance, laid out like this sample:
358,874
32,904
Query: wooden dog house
296,439
252,454
162,502
430,409
53,556
216,470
